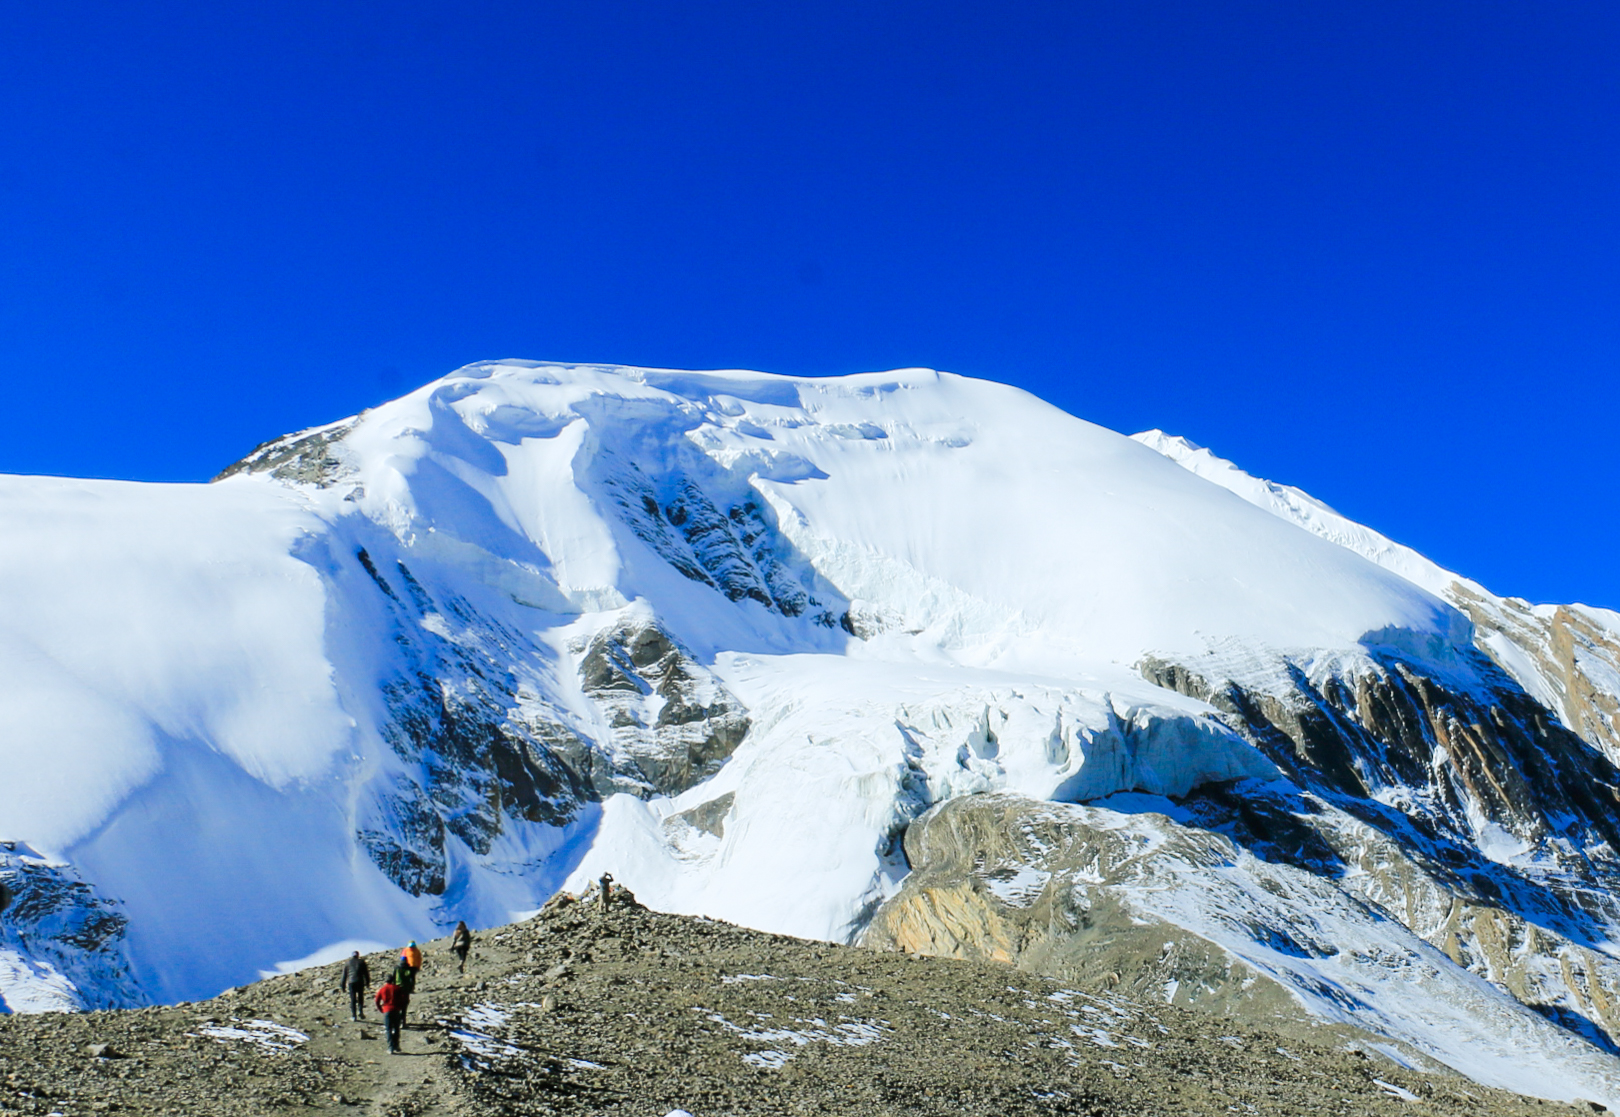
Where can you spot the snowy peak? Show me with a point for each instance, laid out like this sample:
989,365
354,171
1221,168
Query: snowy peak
729,636
760,486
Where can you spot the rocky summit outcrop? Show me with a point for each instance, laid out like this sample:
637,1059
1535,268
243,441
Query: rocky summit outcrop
631,1012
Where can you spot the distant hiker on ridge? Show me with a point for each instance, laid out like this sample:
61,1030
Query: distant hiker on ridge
391,1001
356,979
460,943
607,886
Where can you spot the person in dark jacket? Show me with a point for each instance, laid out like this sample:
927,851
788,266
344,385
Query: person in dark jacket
405,981
391,1001
460,943
356,980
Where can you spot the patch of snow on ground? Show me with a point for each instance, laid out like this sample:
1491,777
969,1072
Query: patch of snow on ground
1021,888
262,1033
1404,1095
845,1033
481,1048
488,1016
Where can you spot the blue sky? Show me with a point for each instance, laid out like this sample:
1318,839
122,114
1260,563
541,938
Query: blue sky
1369,249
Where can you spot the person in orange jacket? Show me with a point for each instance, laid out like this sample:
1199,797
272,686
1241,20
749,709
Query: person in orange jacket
411,955
391,1001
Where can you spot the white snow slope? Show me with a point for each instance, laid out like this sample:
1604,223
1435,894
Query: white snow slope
958,581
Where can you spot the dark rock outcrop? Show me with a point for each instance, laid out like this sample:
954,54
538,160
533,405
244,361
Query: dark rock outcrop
730,545
672,722
51,918
307,457
477,745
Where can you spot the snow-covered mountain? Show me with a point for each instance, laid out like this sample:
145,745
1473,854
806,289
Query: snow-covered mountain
902,655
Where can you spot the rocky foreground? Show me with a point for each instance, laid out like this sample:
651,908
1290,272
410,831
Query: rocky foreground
636,1012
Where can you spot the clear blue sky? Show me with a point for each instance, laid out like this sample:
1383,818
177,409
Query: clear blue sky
1366,248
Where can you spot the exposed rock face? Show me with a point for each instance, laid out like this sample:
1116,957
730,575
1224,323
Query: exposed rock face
1455,804
1465,811
62,934
1470,751
1562,650
1179,911
672,722
308,457
478,745
729,544
706,818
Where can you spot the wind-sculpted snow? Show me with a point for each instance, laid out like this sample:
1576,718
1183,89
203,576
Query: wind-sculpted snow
727,636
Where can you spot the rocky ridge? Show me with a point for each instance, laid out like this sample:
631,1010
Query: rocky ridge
577,1011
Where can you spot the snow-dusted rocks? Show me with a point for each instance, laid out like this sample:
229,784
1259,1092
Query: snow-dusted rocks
727,635
670,718
61,944
1120,895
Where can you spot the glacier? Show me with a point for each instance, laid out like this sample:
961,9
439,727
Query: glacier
730,635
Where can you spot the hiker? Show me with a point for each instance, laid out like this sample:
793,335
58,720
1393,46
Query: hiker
391,1001
607,884
404,980
356,978
460,943
411,955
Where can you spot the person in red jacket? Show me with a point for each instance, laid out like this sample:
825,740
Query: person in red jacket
391,1001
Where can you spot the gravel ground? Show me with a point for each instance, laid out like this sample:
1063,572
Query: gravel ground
639,1013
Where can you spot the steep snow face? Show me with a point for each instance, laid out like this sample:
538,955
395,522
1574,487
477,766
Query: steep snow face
725,635
1566,656
139,616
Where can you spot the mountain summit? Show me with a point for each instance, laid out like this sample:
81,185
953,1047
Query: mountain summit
903,658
